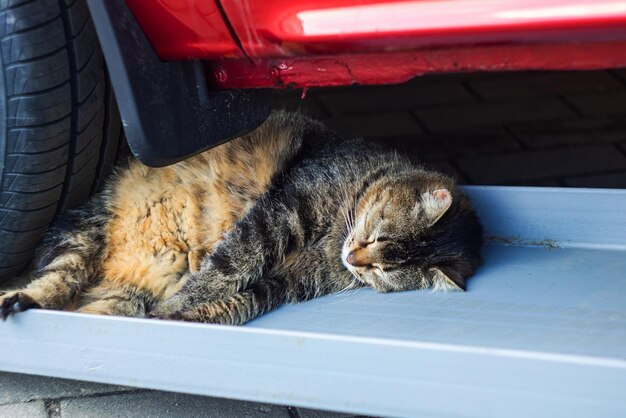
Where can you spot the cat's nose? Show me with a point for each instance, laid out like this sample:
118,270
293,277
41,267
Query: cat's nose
358,258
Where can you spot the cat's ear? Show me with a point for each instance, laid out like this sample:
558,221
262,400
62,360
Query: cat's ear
435,203
444,279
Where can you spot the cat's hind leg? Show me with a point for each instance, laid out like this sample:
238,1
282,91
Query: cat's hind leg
69,258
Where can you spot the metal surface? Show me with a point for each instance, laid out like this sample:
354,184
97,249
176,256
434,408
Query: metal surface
182,29
284,28
541,331
281,28
167,112
397,67
283,43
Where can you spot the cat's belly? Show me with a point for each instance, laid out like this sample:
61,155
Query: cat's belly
153,232
166,220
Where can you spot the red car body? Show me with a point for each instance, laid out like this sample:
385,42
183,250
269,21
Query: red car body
286,43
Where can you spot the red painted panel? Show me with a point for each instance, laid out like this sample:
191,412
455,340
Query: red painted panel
337,42
281,28
180,29
400,66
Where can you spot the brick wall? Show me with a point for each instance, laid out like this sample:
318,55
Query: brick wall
522,128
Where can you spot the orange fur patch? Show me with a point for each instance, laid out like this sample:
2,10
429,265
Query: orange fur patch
166,219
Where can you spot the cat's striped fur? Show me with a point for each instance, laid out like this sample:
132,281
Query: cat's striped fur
286,213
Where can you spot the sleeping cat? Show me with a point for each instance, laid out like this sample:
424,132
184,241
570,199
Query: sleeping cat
286,213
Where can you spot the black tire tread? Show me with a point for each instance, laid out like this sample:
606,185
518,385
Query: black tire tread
63,128
87,101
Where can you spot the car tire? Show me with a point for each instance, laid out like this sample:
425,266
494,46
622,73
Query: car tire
60,128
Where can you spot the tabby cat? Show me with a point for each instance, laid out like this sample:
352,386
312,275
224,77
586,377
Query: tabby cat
286,213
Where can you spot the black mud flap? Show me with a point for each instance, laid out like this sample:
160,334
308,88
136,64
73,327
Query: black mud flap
167,111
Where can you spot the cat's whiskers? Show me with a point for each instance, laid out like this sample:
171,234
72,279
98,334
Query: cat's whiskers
346,221
348,212
350,286
354,284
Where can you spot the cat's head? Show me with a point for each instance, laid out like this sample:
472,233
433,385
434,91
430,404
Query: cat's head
412,231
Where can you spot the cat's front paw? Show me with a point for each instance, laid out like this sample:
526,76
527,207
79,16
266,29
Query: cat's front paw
195,315
16,301
173,316
169,308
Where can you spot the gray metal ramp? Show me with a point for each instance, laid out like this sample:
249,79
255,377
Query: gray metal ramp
541,331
